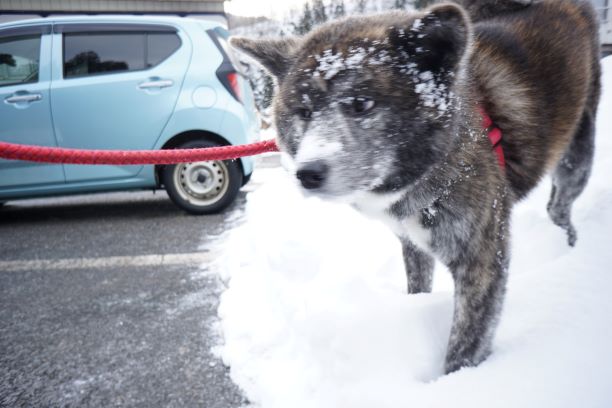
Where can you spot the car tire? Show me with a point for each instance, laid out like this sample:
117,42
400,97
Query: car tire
202,187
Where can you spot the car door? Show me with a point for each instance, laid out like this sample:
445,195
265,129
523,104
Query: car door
116,88
25,113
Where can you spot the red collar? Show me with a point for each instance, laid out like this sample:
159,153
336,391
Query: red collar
495,136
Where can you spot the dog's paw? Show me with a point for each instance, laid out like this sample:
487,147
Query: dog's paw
572,236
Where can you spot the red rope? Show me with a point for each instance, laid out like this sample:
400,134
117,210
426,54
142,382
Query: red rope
43,154
12,151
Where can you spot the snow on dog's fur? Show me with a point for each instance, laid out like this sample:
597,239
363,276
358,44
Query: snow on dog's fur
382,112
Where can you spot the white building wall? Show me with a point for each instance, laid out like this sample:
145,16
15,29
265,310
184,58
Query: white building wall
118,6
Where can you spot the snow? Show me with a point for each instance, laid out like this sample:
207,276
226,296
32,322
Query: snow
432,94
315,312
329,64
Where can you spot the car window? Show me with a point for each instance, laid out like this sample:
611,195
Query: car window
160,46
88,54
19,59
91,54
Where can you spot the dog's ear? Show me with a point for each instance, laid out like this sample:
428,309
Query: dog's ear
436,41
275,55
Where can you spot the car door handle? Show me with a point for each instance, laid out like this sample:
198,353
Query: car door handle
26,98
159,83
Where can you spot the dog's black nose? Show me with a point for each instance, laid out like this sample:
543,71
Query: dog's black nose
313,174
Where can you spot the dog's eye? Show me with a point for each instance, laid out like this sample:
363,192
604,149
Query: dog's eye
304,113
362,105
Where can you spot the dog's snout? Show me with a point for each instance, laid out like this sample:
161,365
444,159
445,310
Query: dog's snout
312,175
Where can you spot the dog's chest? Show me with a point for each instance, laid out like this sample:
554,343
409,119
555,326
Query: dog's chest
413,229
410,227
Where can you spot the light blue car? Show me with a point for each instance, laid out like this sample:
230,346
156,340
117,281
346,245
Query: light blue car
124,83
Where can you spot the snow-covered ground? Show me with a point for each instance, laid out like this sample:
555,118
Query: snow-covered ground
315,312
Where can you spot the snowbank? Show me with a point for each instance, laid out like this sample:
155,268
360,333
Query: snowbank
316,315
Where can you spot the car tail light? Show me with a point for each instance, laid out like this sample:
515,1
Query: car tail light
229,70
234,85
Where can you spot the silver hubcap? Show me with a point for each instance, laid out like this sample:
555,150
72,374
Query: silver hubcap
201,183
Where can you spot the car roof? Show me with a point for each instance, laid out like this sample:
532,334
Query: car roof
112,18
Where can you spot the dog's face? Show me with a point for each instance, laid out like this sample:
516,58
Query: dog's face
363,104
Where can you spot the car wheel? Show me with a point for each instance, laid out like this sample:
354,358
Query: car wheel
202,187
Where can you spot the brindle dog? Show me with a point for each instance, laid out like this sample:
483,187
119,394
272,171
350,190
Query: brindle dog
382,112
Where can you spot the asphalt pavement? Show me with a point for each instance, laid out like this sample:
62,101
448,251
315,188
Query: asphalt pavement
106,300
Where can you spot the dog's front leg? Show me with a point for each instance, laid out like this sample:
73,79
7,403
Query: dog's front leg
419,268
480,284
